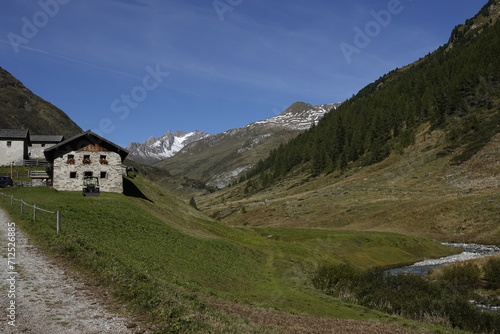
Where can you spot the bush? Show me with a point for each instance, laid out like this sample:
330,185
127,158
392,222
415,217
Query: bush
492,272
335,279
443,302
461,279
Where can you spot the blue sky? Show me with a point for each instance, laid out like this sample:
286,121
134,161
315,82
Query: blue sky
131,69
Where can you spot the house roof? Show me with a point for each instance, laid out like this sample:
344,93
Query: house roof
14,133
46,139
80,141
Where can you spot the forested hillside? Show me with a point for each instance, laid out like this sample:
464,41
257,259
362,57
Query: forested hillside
456,88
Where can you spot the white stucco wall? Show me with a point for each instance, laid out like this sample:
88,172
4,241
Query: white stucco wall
13,153
36,150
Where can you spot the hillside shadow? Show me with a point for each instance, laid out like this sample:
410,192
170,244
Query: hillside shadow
131,190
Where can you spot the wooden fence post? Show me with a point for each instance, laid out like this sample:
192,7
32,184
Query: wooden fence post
11,200
21,206
58,221
34,212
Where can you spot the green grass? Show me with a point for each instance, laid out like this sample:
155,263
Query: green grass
159,255
363,249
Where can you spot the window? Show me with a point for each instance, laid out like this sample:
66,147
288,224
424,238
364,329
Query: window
86,159
43,145
102,159
103,175
9,143
88,173
71,159
72,175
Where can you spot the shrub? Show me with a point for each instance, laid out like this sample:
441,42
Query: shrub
335,279
461,279
443,302
492,272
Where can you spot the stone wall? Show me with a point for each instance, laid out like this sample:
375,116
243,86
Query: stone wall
69,176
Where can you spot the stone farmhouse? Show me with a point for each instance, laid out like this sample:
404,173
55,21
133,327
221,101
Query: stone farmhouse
14,146
86,154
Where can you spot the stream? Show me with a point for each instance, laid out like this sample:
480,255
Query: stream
470,252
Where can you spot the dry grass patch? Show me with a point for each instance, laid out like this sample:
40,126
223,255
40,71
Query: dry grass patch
299,324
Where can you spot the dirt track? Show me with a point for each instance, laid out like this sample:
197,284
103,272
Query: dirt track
47,300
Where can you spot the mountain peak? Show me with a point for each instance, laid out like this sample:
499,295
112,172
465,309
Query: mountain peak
156,149
297,108
299,116
220,159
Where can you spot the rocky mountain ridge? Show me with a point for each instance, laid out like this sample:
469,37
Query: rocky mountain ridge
299,116
220,159
158,148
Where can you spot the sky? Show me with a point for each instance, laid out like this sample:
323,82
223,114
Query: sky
132,69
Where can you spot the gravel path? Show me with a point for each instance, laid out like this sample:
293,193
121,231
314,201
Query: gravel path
46,300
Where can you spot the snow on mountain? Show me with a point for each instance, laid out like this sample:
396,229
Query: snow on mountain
219,159
156,149
299,116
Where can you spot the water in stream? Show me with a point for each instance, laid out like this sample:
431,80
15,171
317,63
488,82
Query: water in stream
470,252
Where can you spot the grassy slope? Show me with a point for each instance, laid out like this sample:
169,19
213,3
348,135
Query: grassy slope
160,255
415,193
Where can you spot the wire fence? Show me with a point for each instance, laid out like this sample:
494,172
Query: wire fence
25,207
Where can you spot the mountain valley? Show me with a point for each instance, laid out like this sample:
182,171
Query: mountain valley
219,160
257,229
